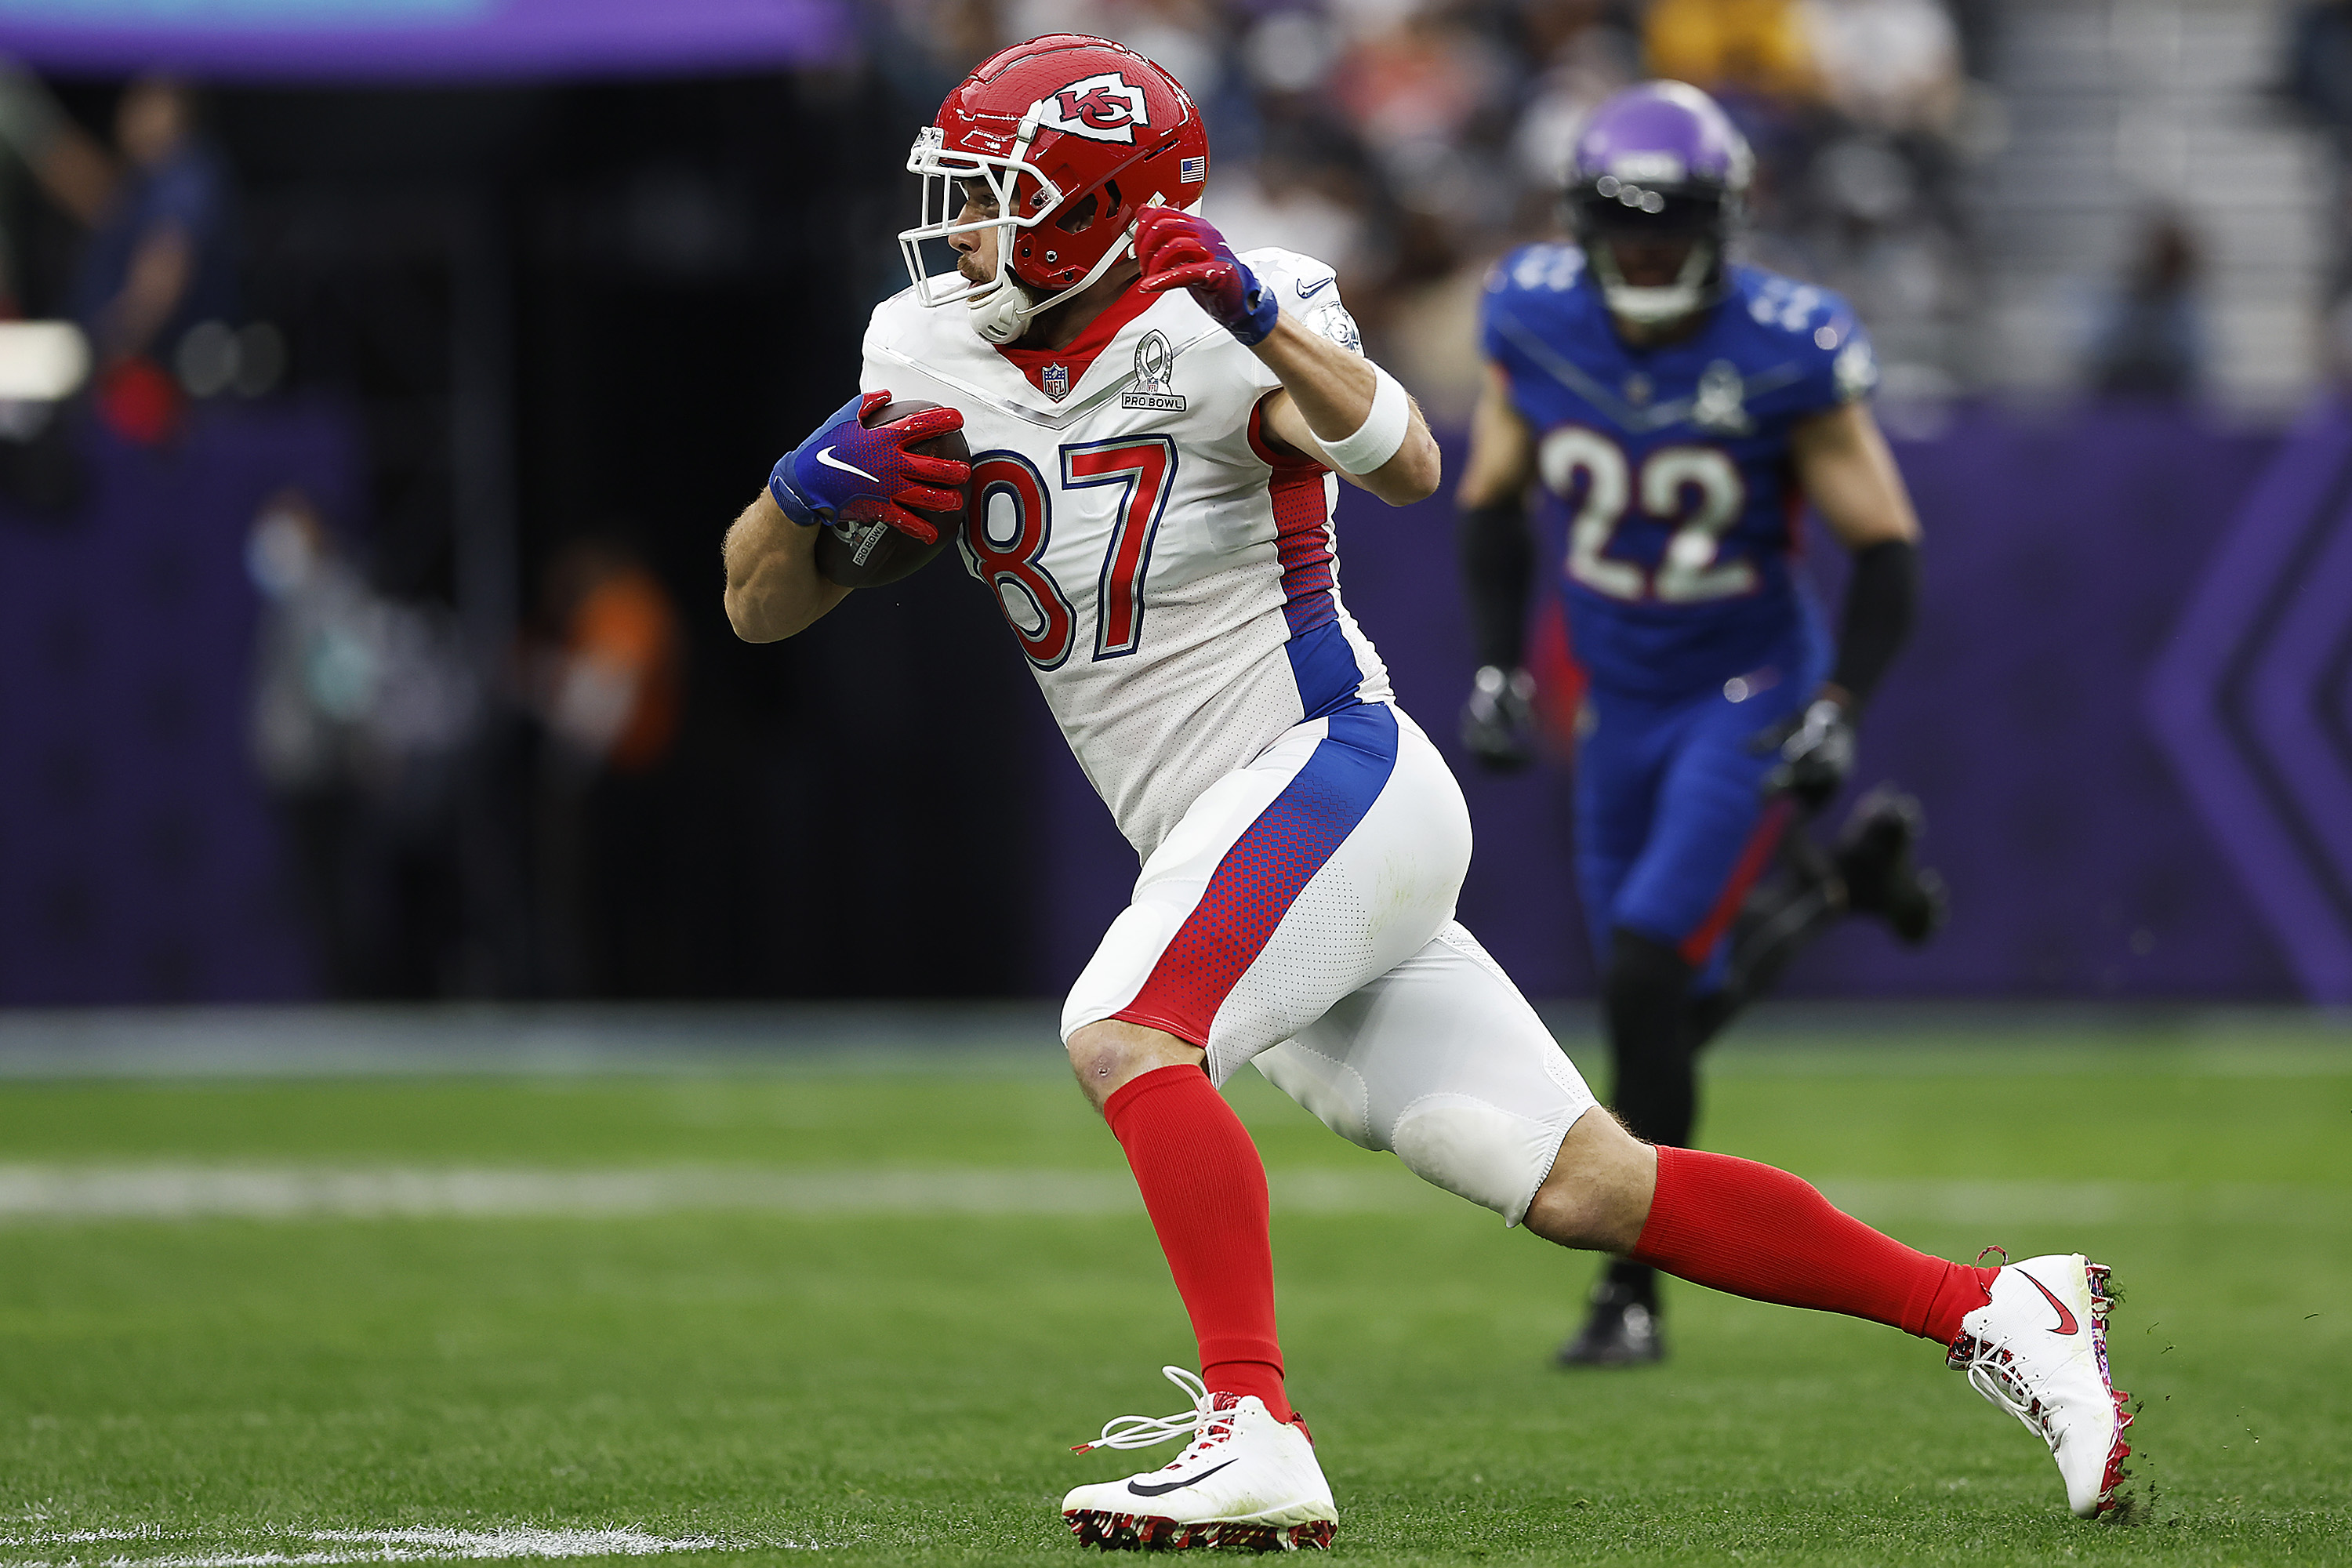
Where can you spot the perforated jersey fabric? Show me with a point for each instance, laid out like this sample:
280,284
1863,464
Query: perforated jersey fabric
1173,582
1338,770
1668,496
1175,635
1301,916
1441,1061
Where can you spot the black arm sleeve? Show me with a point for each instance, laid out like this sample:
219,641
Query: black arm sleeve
1499,567
1881,600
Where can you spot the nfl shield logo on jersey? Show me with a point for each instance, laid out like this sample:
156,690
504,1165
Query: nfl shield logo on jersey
1155,366
1055,380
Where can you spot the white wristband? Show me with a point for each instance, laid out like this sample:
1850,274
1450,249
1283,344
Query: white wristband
1381,433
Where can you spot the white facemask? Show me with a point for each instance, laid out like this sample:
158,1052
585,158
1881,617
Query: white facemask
1687,295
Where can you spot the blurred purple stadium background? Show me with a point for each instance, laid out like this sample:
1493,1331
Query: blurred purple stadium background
554,282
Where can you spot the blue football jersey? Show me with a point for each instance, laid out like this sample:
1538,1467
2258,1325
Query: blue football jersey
1666,474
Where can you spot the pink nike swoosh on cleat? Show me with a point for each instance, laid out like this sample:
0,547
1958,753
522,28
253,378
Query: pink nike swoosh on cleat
2065,1319
2053,1377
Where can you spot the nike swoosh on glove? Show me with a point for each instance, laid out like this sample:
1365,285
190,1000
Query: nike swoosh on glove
1816,748
1178,250
849,468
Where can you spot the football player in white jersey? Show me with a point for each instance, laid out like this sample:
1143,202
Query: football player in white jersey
1155,424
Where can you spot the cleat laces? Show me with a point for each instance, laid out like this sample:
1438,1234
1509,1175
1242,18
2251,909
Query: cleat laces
1205,1422
1993,1373
1990,1373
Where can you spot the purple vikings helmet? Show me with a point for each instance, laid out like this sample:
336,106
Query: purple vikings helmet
1660,162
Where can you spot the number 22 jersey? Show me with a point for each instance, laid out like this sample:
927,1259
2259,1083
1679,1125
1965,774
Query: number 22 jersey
1666,472
1171,577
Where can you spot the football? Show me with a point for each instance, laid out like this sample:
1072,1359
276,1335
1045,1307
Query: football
865,552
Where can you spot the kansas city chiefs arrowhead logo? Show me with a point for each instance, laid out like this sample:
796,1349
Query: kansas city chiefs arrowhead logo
1106,108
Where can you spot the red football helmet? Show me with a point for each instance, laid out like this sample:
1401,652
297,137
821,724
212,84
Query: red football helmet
1071,136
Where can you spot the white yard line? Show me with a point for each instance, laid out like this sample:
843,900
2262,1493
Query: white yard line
1867,1040
52,1193
421,1544
302,1192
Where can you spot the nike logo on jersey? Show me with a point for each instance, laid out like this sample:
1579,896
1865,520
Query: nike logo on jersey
1141,1491
830,461
1305,292
2066,1317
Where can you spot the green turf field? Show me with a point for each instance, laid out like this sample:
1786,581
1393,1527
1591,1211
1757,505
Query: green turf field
863,1313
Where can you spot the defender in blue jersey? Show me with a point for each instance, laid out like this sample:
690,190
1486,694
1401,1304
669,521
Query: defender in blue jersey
1675,411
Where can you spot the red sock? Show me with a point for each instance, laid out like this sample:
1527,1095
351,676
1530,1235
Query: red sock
1204,1186
1736,1225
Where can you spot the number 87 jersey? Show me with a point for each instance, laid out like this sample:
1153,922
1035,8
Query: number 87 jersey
1668,469
1171,578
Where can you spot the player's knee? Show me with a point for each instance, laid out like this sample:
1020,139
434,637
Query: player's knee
1108,1055
1100,1054
1644,974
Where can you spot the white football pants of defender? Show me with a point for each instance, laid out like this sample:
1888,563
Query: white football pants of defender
1300,915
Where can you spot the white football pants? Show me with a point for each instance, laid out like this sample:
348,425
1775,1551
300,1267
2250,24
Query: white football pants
1300,915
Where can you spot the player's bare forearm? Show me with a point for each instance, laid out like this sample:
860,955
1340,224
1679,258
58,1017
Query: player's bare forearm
1326,395
1502,449
773,588
1847,470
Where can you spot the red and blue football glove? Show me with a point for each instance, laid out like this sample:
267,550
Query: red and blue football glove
1178,250
849,468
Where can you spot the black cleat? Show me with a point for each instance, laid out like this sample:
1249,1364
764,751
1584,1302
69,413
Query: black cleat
1622,1332
1782,916
1875,859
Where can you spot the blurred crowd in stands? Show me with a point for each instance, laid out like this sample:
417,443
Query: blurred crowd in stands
1409,142
154,281
2318,82
372,728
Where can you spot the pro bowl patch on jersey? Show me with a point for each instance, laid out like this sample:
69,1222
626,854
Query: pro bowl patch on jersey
1106,108
1155,367
1720,406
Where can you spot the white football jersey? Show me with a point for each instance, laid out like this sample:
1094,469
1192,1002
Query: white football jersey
1172,581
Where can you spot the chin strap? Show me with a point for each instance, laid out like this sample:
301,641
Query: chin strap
1003,314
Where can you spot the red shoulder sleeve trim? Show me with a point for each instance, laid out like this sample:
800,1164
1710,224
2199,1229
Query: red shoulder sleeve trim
1260,443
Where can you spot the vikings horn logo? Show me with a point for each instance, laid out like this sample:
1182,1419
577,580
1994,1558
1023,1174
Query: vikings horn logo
1106,108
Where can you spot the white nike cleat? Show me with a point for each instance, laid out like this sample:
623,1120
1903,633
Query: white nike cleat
1245,1480
2039,1350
